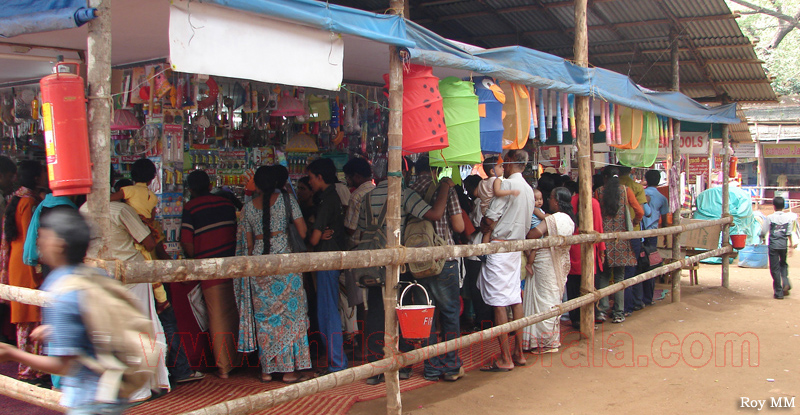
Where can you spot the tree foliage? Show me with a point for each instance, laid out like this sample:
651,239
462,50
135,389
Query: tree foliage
774,27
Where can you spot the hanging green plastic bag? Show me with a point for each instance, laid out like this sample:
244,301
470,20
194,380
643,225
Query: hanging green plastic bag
462,119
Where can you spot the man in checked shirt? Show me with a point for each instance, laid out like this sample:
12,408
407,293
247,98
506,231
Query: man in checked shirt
444,287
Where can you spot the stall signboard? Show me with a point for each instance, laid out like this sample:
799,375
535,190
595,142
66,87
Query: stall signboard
697,166
690,143
786,150
745,150
694,143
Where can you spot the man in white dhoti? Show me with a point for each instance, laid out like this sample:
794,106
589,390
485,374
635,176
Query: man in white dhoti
509,219
126,228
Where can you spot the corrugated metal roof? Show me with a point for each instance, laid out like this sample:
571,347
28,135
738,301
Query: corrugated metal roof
631,33
627,36
774,121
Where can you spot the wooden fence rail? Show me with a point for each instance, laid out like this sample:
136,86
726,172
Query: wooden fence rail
267,399
31,394
44,397
187,270
236,267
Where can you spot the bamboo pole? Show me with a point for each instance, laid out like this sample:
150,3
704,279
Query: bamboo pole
726,240
676,161
22,391
586,220
24,295
98,75
267,399
333,260
394,403
710,169
132,272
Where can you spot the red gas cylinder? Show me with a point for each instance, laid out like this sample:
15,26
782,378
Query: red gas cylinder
66,134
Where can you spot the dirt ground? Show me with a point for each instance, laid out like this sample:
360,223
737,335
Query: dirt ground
671,358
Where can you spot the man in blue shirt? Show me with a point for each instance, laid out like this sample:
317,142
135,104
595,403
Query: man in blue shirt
659,208
63,240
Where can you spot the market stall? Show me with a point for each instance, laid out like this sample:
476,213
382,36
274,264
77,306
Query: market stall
224,137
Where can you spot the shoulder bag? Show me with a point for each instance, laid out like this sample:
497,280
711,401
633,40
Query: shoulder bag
628,220
296,243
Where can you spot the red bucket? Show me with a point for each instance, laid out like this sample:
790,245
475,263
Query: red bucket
415,320
738,241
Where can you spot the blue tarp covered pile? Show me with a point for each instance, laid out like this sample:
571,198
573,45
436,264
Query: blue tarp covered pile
709,206
515,64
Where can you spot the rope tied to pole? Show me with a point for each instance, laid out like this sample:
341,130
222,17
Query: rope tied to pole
110,102
402,255
116,269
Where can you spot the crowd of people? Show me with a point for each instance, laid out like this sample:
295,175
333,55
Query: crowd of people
281,318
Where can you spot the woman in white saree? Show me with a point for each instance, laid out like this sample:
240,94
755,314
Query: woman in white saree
545,288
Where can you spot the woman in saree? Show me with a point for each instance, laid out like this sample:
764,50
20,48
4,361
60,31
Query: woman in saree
273,317
545,288
15,230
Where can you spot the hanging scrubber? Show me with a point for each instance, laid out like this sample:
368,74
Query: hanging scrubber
559,118
572,128
542,123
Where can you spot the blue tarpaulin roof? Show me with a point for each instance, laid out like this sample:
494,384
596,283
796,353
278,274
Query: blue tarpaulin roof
542,70
18,17
384,28
515,64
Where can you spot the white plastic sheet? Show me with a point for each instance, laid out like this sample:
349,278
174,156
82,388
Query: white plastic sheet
213,40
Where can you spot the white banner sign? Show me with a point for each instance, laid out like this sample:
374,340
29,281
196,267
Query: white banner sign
694,143
215,40
691,143
745,150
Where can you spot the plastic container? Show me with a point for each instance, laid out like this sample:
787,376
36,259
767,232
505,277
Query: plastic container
738,241
415,320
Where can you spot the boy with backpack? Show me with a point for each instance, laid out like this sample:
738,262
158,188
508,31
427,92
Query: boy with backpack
99,354
779,226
